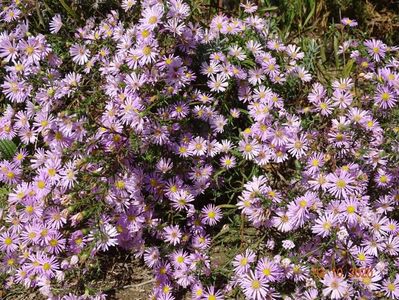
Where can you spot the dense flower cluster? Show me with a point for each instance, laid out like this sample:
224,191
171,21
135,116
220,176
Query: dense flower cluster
130,130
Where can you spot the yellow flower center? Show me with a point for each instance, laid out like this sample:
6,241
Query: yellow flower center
54,242
152,20
41,184
341,183
120,184
266,272
391,287
211,214
8,241
350,209
243,261
383,179
51,172
366,280
385,96
303,203
46,266
29,209
255,284
248,148
29,50
147,50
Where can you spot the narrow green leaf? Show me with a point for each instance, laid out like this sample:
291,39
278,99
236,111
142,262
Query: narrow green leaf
69,9
336,48
348,67
312,11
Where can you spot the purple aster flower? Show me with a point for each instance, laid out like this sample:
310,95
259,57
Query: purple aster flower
212,294
249,148
376,49
324,225
211,214
335,286
349,22
254,286
55,24
340,185
9,241
341,99
268,269
128,4
390,287
172,234
151,17
79,54
218,83
242,262
385,98
8,49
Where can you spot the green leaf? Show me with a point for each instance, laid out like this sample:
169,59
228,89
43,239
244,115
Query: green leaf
7,149
312,11
69,9
336,49
348,67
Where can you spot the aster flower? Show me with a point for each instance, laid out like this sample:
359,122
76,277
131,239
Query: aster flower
147,53
268,269
212,294
105,237
31,49
242,262
340,185
254,287
128,4
324,224
211,214
298,146
249,7
180,259
48,266
303,74
336,286
55,24
228,161
172,234
218,83
376,49
249,148
79,54
349,22
15,89
181,200
385,98
198,146
282,221
10,14
390,287
9,242
151,17
8,49
341,99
